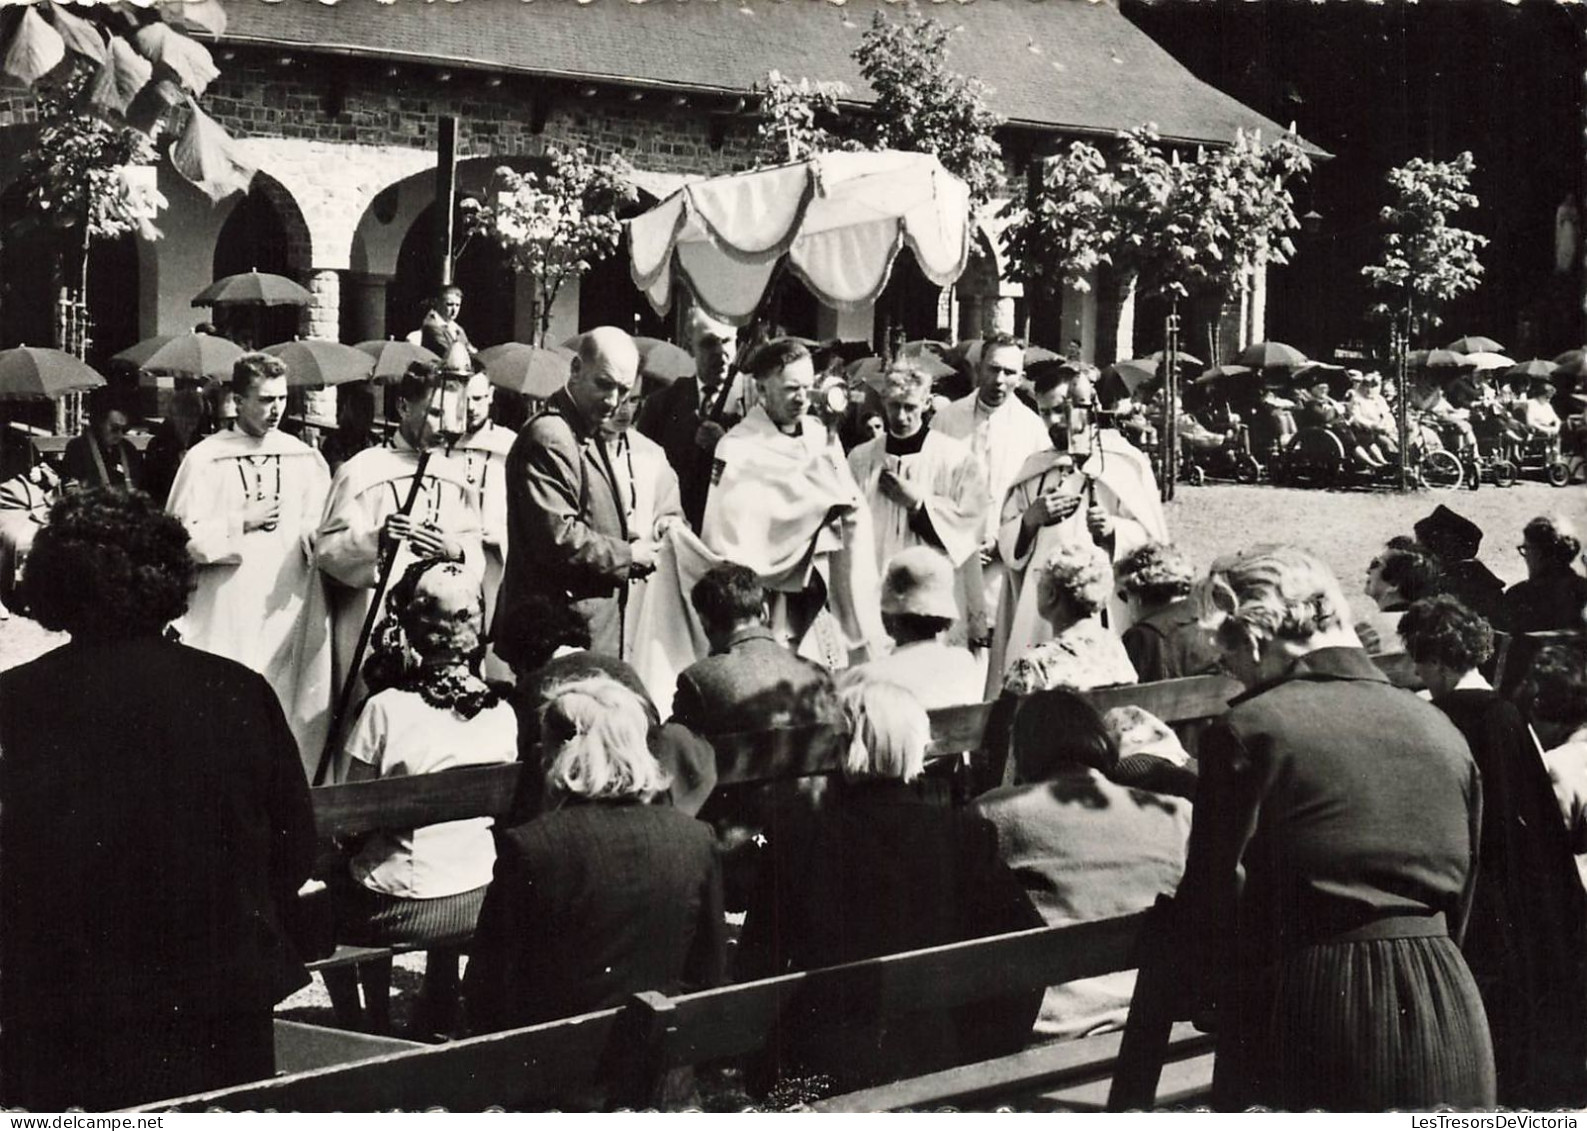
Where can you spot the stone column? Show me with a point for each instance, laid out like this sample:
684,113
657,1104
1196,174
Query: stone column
322,318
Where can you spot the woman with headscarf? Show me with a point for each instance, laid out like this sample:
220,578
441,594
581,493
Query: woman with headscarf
430,712
1330,865
1527,939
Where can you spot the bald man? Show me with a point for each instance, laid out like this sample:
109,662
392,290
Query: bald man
567,518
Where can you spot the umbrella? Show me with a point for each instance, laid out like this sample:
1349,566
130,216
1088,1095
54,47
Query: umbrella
1223,373
534,371
1313,373
970,350
315,362
925,356
663,362
1571,357
1575,367
1436,359
1123,378
1271,355
1485,360
255,287
1474,344
29,373
1156,356
1537,367
392,357
191,355
840,219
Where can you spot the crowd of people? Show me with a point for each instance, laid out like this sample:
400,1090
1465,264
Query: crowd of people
1378,896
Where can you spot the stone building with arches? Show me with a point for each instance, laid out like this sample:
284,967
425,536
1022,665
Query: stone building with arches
337,107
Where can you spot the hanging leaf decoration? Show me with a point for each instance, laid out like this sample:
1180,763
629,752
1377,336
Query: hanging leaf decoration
118,82
35,49
171,51
80,36
207,156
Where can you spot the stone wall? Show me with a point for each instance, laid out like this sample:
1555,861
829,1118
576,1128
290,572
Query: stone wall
332,99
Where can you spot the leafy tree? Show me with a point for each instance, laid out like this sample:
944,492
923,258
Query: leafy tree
1185,228
72,179
556,225
1426,262
922,105
925,106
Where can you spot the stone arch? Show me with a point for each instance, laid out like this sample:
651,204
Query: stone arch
267,199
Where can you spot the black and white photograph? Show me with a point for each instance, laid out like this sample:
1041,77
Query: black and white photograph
830,556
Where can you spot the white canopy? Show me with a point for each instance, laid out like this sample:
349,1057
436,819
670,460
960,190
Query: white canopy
840,218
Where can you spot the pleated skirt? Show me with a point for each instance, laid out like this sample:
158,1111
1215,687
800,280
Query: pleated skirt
372,918
1357,1026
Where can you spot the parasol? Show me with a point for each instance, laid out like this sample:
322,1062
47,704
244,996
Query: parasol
839,220
392,357
970,350
1156,357
191,355
663,362
1484,360
1313,373
534,371
1271,355
313,362
1123,378
1436,359
258,288
1474,344
1537,367
1223,373
923,355
30,373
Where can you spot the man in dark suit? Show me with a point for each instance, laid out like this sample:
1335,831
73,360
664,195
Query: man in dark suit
102,456
567,518
440,329
750,681
683,417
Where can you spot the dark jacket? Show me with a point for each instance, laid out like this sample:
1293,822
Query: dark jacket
671,417
1526,942
567,530
1547,603
124,465
756,684
1477,587
590,904
877,870
153,818
1170,644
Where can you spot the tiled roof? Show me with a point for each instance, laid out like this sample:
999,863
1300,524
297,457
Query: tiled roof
1071,63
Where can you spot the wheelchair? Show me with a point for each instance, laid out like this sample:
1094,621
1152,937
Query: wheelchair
1497,441
1543,456
1230,460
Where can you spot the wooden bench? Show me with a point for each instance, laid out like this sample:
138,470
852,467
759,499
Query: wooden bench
743,759
625,1052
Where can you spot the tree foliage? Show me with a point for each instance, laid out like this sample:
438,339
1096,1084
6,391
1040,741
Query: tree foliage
922,105
1182,226
556,225
1426,261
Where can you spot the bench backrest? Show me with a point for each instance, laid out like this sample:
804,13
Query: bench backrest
531,1067
410,802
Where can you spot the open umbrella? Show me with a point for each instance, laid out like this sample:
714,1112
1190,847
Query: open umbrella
1436,359
314,362
1314,373
1271,355
258,288
392,357
32,373
1484,360
663,362
1156,356
1574,367
191,355
1475,343
1571,357
1219,373
1526,370
839,219
970,350
1123,378
923,355
534,371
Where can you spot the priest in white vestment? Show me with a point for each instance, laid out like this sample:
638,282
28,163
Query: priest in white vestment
251,500
482,450
925,488
362,515
784,503
1003,434
1090,484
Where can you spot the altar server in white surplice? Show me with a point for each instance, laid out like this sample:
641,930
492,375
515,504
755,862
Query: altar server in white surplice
483,453
1089,485
1002,433
362,516
925,488
251,499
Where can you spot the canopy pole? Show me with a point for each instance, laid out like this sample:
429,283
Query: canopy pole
445,192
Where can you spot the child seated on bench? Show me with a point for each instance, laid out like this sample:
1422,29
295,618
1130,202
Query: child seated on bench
430,712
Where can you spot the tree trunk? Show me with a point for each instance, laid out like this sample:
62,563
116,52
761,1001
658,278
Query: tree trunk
1115,315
